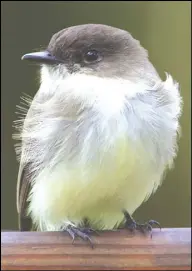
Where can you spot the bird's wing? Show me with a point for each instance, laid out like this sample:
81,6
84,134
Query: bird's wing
23,189
24,175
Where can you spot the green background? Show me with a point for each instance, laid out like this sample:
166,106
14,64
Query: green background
163,29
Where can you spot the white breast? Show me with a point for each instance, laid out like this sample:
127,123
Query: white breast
117,162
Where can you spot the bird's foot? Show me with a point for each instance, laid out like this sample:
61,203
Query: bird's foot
82,233
144,228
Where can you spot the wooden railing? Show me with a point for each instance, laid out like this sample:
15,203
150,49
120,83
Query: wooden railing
114,250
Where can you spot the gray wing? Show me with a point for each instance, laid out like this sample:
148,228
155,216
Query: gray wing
23,189
24,175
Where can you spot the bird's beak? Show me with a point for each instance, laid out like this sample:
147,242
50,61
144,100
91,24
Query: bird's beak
43,57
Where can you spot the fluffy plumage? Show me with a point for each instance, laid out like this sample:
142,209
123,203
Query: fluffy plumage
94,145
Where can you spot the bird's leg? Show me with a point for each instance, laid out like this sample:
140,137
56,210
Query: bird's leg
132,225
81,232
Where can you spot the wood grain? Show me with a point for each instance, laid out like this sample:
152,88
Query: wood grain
114,250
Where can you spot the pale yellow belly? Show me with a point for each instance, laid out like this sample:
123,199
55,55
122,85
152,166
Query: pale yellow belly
98,191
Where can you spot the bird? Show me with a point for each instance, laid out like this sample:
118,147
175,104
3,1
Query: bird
98,137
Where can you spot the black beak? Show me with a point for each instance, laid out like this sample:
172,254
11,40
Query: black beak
41,57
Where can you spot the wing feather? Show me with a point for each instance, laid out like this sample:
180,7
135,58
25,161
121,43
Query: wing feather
23,189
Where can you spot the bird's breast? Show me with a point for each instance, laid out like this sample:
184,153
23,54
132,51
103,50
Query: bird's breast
107,175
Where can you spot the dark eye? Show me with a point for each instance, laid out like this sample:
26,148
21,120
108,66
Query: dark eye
92,56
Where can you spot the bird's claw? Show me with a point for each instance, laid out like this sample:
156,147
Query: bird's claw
146,227
82,233
89,230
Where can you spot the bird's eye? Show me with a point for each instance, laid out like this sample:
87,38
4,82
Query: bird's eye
92,56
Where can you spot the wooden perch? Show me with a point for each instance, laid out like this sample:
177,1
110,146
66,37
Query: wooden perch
114,250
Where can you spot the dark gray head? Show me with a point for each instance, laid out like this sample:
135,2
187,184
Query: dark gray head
98,50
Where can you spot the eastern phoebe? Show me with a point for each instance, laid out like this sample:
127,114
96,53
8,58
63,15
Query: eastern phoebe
99,134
